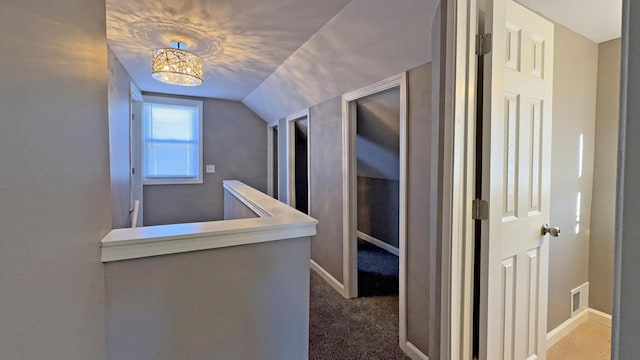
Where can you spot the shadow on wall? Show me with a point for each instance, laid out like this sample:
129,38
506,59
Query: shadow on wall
85,62
378,135
378,209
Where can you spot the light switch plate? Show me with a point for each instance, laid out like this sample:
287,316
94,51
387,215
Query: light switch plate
211,169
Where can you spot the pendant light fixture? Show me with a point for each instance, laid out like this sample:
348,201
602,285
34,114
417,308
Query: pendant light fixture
177,66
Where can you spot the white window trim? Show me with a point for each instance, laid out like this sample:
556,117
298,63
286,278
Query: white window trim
176,180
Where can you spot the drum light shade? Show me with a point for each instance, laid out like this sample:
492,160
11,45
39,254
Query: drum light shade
177,67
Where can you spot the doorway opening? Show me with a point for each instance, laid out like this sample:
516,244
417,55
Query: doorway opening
298,165
273,180
374,188
378,192
135,156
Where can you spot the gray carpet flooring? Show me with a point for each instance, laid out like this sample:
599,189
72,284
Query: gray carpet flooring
362,328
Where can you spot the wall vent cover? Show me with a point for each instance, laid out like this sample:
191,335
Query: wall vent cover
579,299
576,302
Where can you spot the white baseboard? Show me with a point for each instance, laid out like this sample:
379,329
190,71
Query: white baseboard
413,352
328,278
600,317
379,243
568,326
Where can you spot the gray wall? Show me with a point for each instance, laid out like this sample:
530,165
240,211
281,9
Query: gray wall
54,179
422,247
626,317
236,303
325,133
378,165
379,208
283,179
119,84
326,195
574,114
604,178
586,88
435,163
235,141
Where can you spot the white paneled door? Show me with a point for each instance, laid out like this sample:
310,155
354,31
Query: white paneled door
518,105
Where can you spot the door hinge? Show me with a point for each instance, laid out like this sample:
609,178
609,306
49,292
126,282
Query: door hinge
480,209
483,44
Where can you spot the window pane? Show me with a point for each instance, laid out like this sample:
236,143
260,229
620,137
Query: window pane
171,159
171,141
173,122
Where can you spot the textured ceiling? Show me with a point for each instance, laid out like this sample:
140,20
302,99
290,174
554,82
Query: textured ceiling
242,42
366,42
598,20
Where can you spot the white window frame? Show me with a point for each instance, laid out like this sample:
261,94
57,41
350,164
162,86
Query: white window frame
177,180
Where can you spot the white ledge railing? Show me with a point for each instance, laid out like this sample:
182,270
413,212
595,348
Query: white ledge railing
275,221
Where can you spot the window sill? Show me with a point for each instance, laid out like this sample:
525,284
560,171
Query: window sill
173,181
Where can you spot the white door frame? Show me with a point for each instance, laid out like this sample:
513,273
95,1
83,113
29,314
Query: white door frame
135,95
458,179
270,185
291,158
460,35
349,178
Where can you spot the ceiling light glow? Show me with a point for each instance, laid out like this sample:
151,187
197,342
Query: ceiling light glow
176,66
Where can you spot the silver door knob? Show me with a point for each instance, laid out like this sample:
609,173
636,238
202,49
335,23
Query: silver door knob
553,231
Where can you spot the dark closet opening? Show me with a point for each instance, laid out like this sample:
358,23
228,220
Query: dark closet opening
274,169
378,192
301,166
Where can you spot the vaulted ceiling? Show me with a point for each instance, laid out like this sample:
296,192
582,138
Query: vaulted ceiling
367,41
280,56
241,41
277,56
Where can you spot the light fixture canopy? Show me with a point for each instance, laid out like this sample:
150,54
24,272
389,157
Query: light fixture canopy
177,66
